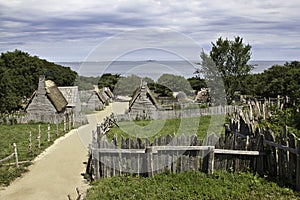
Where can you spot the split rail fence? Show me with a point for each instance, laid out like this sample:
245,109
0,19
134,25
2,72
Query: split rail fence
14,154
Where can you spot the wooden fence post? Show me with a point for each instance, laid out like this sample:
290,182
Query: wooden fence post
39,136
16,155
65,125
211,160
30,142
73,119
48,133
298,166
260,159
56,128
69,121
149,158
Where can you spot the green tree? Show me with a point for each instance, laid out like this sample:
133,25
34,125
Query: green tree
109,80
231,59
174,83
197,83
213,79
19,77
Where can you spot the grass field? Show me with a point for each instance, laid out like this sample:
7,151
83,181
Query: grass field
19,134
190,185
155,128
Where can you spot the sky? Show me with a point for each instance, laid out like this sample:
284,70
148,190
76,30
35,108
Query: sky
65,30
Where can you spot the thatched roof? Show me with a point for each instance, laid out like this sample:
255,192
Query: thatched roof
202,95
101,95
108,92
55,96
71,94
137,93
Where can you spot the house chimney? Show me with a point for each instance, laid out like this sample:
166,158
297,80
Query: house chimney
41,87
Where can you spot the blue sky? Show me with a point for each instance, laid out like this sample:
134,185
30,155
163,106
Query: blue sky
68,30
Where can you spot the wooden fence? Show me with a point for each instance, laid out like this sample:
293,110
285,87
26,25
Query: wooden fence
14,154
176,154
244,147
182,113
281,150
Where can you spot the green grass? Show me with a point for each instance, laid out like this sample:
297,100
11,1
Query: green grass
155,128
189,185
19,134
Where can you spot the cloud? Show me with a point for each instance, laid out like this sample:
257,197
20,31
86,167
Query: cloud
47,27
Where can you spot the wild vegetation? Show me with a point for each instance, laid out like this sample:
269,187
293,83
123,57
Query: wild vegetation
190,185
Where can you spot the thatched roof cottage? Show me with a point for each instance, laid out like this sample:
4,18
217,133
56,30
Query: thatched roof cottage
71,94
108,92
202,96
143,103
47,104
98,99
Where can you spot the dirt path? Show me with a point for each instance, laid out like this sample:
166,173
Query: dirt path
57,172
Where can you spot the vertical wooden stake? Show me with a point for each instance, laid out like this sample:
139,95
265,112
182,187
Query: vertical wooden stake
298,166
73,120
16,155
48,133
56,128
30,143
65,126
69,121
211,160
39,137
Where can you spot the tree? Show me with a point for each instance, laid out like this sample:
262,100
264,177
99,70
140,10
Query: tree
213,79
19,75
231,59
197,83
109,80
174,83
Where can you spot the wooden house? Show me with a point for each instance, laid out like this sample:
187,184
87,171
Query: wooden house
98,99
143,104
47,104
71,94
202,96
108,92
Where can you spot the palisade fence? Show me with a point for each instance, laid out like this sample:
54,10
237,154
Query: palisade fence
186,112
23,118
244,147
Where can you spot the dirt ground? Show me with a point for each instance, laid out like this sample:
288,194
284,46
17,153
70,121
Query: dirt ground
57,171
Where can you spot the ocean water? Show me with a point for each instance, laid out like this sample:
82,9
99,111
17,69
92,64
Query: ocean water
152,69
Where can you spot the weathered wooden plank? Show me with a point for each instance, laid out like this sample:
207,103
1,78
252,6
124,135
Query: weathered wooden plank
292,158
238,152
155,149
280,146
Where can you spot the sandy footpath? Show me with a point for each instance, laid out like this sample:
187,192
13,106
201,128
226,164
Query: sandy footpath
57,172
